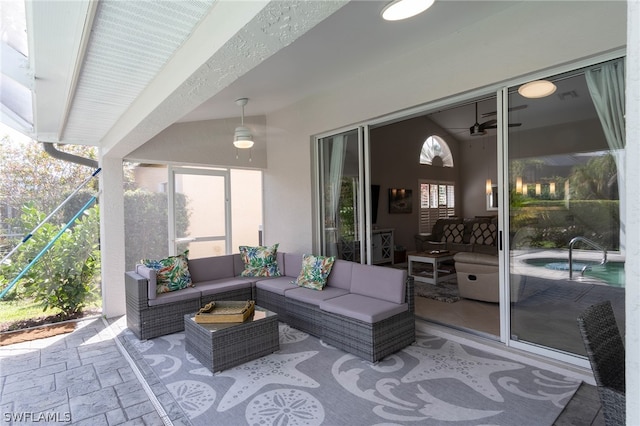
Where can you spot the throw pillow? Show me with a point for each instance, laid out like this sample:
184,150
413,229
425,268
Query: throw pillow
172,273
453,233
260,261
483,234
315,271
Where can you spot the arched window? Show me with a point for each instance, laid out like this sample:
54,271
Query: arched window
436,152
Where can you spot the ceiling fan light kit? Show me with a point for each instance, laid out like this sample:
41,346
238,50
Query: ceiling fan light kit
537,89
242,138
398,10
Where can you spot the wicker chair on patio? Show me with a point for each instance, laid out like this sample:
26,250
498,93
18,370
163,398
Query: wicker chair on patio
606,354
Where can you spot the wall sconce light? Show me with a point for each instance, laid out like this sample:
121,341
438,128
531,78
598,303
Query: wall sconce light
518,185
488,187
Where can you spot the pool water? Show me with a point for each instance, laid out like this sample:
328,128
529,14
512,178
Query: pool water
611,273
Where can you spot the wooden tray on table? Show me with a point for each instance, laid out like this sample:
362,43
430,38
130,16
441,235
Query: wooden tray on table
225,311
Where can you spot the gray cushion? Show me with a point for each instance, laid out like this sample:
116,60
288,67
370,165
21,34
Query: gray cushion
340,275
314,297
379,282
238,264
292,264
222,285
150,275
176,296
277,285
363,308
211,268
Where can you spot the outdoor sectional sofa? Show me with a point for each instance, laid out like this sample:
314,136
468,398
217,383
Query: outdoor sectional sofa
364,310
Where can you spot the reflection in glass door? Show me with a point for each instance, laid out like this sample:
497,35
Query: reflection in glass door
565,183
341,196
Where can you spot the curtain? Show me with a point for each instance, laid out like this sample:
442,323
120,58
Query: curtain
606,85
334,185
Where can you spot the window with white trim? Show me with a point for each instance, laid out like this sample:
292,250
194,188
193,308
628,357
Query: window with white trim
437,201
433,149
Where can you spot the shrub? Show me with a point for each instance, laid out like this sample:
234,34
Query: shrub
65,276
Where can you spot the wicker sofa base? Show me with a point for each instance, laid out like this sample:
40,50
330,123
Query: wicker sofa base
148,322
305,317
371,342
273,302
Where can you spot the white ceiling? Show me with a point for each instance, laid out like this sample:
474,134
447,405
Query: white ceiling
114,73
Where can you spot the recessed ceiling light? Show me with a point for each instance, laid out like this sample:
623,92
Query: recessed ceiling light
537,89
403,9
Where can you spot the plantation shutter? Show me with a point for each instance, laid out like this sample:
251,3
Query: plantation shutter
437,201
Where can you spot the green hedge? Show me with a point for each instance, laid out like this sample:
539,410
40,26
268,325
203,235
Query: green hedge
146,225
553,224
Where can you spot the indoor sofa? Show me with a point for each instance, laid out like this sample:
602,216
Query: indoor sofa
478,235
365,310
476,259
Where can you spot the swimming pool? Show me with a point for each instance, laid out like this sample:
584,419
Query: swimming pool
611,273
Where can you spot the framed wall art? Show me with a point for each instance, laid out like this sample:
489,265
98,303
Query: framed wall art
400,200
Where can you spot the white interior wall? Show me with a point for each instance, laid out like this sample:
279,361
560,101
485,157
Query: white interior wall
474,57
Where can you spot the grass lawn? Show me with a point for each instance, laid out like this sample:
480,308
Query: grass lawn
24,313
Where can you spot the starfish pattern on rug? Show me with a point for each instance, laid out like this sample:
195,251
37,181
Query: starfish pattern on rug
253,376
451,361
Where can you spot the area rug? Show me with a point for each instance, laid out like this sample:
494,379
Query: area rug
432,382
443,292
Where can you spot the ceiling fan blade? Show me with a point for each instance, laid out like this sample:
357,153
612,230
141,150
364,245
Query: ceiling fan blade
495,126
515,108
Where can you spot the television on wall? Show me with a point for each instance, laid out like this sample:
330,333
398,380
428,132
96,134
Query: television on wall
375,197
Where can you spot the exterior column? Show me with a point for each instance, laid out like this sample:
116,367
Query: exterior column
112,237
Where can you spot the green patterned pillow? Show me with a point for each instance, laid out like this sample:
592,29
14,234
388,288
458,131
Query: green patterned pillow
260,261
172,273
315,271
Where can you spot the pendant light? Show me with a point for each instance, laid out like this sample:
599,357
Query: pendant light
242,138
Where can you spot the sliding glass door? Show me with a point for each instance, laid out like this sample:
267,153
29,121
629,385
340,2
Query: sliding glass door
341,195
565,180
201,197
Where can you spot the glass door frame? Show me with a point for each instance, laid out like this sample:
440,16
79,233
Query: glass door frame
364,192
500,89
171,187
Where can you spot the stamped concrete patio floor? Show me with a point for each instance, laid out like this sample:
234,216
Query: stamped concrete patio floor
81,378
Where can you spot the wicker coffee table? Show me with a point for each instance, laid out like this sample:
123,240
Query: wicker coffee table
224,345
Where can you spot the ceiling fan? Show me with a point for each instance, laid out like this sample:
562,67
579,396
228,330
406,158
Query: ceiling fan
480,129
